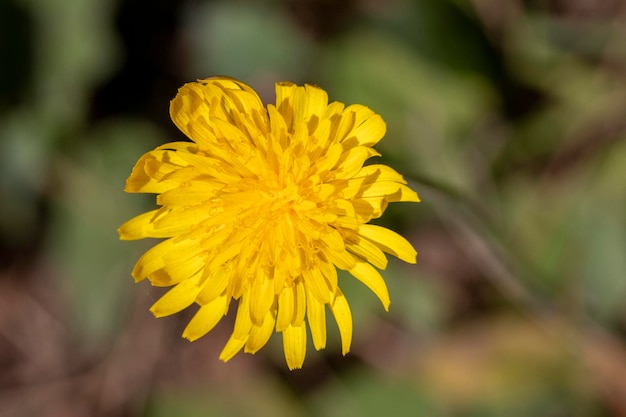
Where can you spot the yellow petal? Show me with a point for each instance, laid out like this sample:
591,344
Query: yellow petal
192,193
214,285
343,317
342,260
316,314
382,181
368,251
261,297
316,285
154,258
148,175
381,173
360,112
346,222
139,227
259,335
188,147
233,346
370,131
278,125
294,345
343,207
286,308
330,274
334,110
300,307
206,318
284,99
392,190
333,239
352,161
367,209
181,219
405,194
179,265
241,97
215,97
347,189
330,158
226,254
186,106
339,131
389,241
369,276
243,324
307,103
178,298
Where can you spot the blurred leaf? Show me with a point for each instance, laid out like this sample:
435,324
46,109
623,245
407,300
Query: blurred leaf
426,26
605,269
87,212
253,396
370,394
24,151
16,47
580,97
74,49
539,220
415,300
602,228
429,110
245,40
571,231
506,366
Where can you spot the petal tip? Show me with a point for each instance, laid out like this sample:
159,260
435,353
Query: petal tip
156,313
190,335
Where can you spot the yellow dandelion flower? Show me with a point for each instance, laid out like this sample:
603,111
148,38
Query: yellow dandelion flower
262,207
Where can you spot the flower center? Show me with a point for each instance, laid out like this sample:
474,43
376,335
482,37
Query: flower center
284,199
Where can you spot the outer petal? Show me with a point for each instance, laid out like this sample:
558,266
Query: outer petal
214,285
287,301
370,131
301,104
389,241
259,335
316,313
317,286
150,174
178,298
368,251
294,345
369,276
343,316
215,97
206,318
392,191
154,260
243,324
261,297
233,346
140,227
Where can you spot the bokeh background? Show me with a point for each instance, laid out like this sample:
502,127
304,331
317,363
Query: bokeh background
508,117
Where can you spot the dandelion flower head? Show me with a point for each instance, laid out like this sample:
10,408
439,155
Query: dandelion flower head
262,207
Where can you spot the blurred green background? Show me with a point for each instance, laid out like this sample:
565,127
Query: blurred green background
508,118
